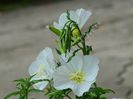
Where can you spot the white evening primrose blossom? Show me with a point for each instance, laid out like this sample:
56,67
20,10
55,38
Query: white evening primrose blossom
43,68
78,74
80,16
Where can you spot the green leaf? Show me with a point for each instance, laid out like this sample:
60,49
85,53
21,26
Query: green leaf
34,90
24,87
103,98
88,49
11,94
58,94
109,91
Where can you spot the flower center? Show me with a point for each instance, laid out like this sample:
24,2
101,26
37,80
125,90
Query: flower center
77,77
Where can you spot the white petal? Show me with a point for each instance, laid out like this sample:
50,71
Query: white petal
63,19
80,89
46,59
64,58
57,26
46,54
83,16
33,68
76,63
43,67
40,85
61,78
73,16
63,84
90,67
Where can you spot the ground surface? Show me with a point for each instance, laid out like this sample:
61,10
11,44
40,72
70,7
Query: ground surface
23,35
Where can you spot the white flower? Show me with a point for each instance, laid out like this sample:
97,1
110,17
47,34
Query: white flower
43,68
80,16
78,74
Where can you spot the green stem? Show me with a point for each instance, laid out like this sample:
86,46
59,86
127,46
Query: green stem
98,95
77,97
84,46
68,96
50,85
79,46
26,94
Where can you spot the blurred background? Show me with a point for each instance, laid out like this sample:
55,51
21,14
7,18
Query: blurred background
23,34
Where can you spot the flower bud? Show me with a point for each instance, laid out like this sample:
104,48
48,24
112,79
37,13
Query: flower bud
76,33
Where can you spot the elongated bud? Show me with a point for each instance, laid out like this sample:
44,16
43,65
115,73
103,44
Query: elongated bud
54,30
61,49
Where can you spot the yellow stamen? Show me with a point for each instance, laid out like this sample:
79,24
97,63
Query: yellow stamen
77,77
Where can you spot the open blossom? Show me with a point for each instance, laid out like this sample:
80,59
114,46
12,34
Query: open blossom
43,68
78,74
80,16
